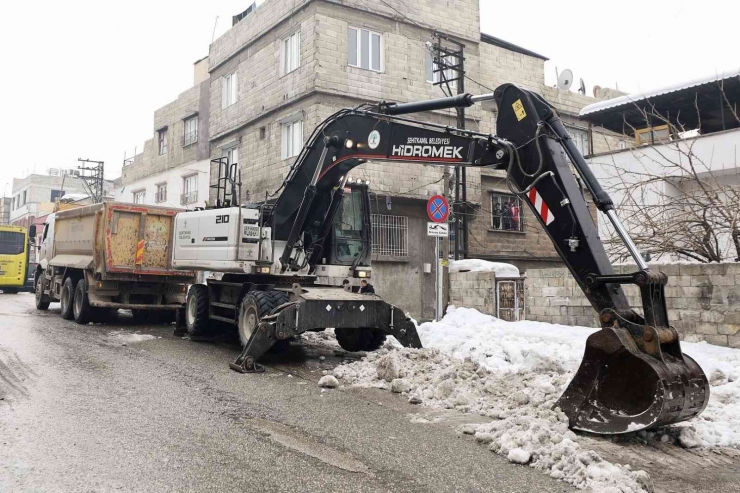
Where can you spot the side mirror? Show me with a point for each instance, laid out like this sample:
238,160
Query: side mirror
32,232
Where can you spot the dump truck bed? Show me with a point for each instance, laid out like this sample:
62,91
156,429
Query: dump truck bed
117,240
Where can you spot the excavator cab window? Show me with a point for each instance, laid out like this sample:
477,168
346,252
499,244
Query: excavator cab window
348,227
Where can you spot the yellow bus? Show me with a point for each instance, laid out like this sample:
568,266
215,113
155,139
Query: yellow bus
13,258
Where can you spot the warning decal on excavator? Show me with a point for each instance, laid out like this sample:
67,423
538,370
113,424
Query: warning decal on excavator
519,110
541,207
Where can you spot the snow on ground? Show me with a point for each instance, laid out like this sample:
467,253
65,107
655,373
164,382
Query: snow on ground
476,265
514,372
123,337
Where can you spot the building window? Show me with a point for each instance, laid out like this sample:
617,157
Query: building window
365,49
390,235
433,75
228,90
190,190
506,212
139,196
191,131
24,196
161,195
56,194
263,133
291,53
232,155
162,140
292,138
580,138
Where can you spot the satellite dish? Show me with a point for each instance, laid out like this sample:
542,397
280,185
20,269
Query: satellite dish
565,79
596,91
582,88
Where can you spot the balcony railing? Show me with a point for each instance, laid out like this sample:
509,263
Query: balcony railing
189,198
189,138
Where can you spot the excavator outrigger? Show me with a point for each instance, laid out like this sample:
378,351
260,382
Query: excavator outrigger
633,375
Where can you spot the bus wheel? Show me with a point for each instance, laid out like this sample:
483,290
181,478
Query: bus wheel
42,300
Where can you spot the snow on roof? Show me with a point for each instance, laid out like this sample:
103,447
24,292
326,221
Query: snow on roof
638,96
477,265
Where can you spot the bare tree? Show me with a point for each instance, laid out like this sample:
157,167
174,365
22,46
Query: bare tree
675,200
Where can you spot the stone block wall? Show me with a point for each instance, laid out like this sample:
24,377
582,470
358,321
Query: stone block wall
474,290
703,300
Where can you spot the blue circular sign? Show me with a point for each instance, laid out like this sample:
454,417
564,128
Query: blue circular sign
438,209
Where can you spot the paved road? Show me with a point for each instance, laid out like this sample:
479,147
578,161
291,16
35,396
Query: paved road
89,409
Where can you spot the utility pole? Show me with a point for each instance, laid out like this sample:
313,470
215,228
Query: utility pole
93,181
446,248
450,57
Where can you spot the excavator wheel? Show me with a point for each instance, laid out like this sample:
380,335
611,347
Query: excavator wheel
364,339
620,388
196,312
256,305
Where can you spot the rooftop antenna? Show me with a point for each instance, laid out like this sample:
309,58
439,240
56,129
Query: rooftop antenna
214,29
565,79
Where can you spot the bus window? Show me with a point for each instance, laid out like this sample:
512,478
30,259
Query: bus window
11,243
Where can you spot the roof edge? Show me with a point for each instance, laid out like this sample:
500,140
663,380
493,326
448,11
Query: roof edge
493,40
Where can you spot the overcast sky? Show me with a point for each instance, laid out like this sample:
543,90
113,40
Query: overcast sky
82,78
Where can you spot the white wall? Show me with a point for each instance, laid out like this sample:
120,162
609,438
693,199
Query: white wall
717,153
174,178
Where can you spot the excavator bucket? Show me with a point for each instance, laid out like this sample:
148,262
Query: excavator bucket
627,383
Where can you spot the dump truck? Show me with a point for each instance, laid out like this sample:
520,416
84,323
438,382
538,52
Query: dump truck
99,258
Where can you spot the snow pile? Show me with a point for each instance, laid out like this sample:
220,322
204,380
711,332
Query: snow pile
514,372
476,265
123,337
719,424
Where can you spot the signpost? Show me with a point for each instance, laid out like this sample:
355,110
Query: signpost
438,210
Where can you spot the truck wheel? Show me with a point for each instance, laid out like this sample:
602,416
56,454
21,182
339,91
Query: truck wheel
42,300
81,308
196,311
66,299
256,305
364,339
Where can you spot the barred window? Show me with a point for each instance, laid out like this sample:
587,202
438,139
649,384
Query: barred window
506,212
390,235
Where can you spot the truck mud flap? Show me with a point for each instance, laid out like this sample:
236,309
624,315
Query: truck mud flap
295,318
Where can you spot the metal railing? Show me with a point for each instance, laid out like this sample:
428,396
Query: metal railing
189,138
189,198
390,235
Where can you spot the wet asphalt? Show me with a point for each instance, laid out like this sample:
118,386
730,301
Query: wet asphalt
90,409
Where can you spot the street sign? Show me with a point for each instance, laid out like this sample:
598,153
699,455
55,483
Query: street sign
438,209
441,230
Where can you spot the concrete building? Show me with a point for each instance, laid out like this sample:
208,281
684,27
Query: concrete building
34,195
5,205
285,67
678,136
173,169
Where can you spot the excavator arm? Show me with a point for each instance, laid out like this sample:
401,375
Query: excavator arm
633,374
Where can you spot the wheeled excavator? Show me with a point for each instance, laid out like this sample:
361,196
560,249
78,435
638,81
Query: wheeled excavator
274,255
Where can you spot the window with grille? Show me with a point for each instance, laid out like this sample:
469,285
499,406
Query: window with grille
140,197
365,49
390,235
510,300
191,131
506,212
292,138
190,190
161,195
291,53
